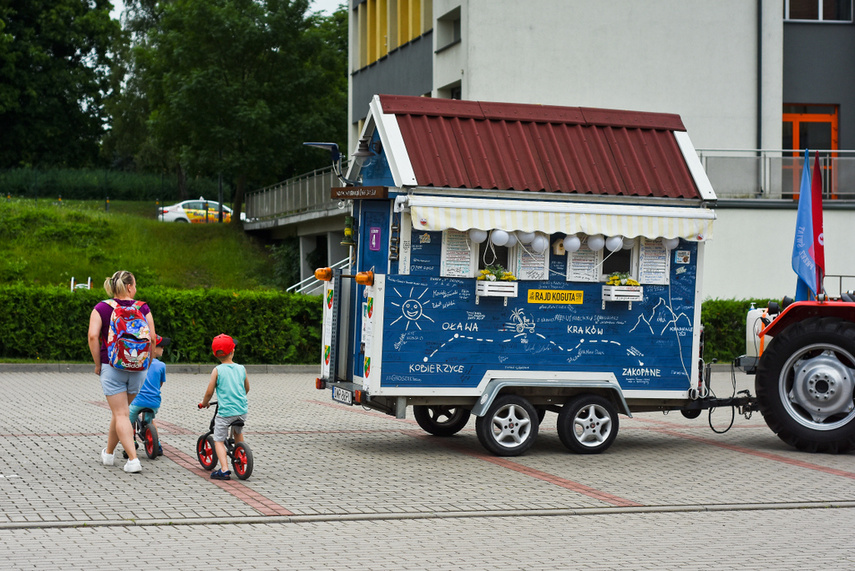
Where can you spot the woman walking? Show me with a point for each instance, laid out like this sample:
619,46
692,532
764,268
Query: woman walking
120,385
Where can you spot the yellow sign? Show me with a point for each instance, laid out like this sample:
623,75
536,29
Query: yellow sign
554,296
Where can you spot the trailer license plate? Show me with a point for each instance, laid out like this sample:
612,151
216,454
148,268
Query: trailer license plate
342,395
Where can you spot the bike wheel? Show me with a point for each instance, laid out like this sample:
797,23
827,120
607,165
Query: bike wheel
205,452
242,460
151,441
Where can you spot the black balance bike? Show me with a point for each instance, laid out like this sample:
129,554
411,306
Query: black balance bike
240,453
145,430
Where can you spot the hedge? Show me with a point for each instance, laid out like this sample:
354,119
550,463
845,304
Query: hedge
97,184
724,323
270,327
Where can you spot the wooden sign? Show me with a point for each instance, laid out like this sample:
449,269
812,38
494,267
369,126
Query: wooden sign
359,192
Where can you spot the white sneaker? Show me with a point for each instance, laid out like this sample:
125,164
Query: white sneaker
133,466
106,459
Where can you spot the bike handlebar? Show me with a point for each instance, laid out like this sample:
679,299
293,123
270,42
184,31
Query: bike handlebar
209,404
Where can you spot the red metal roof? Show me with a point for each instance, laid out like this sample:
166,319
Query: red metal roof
542,148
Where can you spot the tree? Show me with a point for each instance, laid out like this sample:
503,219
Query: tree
236,86
54,67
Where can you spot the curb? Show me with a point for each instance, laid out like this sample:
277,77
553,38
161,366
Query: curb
188,369
399,516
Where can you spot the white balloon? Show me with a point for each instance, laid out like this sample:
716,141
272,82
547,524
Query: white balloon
670,243
499,237
596,242
539,244
628,244
572,243
512,240
477,236
614,243
526,237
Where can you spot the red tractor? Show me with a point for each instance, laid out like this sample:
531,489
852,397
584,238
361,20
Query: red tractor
805,376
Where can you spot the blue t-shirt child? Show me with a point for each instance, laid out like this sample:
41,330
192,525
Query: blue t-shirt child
149,395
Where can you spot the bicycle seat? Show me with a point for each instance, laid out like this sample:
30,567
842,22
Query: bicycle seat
236,423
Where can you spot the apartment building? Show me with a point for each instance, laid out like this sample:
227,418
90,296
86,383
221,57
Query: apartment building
754,83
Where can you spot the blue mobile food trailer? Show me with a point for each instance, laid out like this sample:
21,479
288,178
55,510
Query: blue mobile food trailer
509,260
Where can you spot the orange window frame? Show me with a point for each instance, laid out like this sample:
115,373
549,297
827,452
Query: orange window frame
796,119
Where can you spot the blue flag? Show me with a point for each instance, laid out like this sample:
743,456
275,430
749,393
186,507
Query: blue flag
804,263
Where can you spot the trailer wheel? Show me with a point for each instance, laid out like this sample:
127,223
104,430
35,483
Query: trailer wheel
441,420
805,385
588,424
510,426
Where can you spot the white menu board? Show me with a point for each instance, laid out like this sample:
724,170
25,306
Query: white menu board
583,265
528,264
653,262
457,259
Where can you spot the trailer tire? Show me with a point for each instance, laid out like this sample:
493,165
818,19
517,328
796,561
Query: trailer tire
510,426
441,420
805,385
588,424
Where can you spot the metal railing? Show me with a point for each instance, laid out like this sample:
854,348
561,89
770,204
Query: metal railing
308,192
734,174
776,174
311,284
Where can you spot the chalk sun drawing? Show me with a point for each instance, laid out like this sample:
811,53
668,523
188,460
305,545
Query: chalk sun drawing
411,309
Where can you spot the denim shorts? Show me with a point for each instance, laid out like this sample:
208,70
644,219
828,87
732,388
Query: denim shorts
115,381
221,426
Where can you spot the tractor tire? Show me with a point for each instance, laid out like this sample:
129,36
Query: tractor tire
805,385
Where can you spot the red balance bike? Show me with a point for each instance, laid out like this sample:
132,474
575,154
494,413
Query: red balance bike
240,453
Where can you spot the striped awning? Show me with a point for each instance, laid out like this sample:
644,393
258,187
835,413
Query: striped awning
628,220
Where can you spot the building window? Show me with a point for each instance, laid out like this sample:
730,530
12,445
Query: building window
448,29
818,10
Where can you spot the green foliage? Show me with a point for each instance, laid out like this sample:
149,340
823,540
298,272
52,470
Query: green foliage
51,323
286,262
99,184
724,327
48,245
235,86
54,59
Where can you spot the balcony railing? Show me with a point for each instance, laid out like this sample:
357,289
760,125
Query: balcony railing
302,194
734,174
776,174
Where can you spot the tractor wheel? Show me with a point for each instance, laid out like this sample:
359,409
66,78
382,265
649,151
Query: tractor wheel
805,385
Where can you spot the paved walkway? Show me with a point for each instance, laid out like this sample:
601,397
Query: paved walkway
338,487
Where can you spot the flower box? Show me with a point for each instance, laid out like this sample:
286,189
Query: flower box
485,288
622,293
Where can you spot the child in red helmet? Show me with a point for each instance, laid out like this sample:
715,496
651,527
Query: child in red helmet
229,381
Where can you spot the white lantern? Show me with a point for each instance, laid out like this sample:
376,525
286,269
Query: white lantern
614,243
512,240
540,244
477,236
526,237
499,237
572,243
596,242
670,243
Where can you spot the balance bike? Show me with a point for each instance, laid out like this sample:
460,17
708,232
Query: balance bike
145,429
240,453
